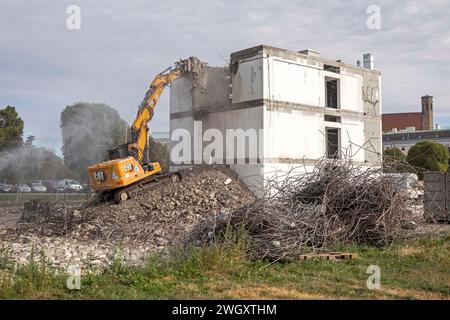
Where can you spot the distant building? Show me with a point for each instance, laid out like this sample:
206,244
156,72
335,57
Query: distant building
405,140
161,137
410,121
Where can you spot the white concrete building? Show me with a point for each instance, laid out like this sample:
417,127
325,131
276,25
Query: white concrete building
302,107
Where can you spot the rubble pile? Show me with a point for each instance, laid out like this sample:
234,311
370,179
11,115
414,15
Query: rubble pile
9,216
154,220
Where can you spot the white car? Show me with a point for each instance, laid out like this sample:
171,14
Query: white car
23,188
5,187
38,187
68,185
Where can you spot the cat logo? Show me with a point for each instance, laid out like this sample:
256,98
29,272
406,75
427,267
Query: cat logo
128,167
99,176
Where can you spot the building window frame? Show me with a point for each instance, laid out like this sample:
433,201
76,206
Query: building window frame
333,143
330,101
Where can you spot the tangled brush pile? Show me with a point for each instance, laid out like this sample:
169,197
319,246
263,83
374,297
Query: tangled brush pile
336,203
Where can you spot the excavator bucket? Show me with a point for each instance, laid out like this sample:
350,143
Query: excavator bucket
192,64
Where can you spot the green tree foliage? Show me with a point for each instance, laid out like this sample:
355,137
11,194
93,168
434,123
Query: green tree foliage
393,154
159,152
394,160
29,163
11,128
88,131
428,156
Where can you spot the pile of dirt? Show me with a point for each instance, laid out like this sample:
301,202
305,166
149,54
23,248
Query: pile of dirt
161,216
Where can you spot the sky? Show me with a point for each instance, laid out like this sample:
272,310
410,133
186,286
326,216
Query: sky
121,45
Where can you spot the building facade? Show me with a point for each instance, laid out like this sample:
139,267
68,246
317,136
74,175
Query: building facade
411,121
299,106
405,140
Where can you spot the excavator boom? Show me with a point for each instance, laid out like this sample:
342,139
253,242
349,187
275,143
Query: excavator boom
139,129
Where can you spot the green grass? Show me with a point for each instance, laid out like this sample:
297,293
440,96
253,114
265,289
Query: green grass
414,270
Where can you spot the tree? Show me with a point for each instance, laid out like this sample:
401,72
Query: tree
158,152
393,154
428,156
88,131
394,160
11,128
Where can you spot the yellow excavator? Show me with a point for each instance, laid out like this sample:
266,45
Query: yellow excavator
126,173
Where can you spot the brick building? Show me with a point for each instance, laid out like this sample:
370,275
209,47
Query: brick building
418,120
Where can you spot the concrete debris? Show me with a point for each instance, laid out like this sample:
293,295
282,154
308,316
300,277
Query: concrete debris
36,209
150,222
192,64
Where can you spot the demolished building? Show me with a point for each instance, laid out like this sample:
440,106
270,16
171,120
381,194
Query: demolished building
272,110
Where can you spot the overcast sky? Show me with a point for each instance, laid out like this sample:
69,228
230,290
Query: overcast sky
122,45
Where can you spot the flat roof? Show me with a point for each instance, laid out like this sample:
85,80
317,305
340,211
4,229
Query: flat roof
416,135
292,55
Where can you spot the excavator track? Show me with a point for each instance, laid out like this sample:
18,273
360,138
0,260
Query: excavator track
140,187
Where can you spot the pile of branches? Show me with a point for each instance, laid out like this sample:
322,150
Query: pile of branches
336,203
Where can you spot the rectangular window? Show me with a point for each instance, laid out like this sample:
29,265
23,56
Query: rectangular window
332,118
333,139
334,69
332,93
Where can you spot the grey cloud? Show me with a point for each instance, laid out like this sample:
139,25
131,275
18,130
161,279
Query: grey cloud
121,45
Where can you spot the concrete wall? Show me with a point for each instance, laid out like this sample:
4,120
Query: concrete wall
201,102
247,79
304,83
293,88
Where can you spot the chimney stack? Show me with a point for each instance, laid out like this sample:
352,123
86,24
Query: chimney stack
427,112
369,61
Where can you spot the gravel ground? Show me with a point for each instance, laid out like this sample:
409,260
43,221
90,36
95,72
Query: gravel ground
96,235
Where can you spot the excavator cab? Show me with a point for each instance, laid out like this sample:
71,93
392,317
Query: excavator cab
120,152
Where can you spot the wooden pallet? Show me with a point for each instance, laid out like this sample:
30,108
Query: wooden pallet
332,256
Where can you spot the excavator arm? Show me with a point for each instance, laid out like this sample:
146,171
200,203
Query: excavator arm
139,129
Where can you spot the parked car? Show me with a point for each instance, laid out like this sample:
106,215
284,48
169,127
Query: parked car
49,185
38,187
6,187
22,187
69,185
